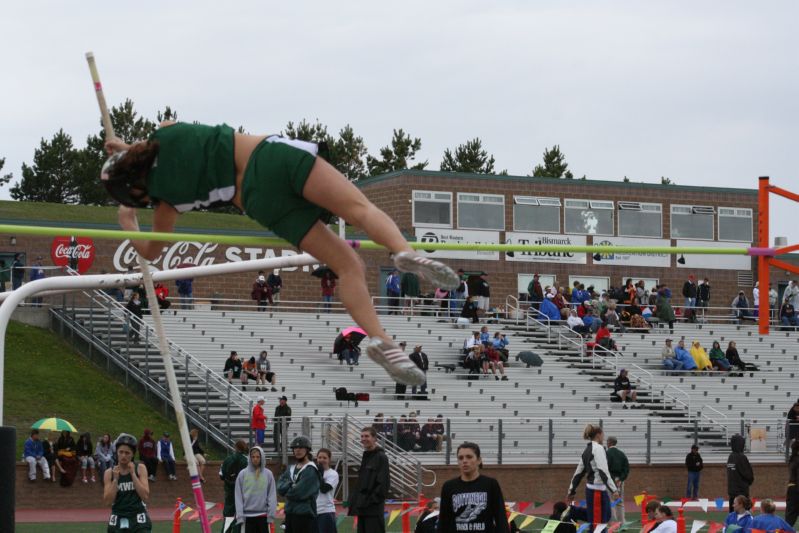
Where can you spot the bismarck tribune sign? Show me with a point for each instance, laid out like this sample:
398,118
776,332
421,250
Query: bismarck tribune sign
546,239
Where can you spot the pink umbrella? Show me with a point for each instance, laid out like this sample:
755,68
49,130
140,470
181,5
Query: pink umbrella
353,329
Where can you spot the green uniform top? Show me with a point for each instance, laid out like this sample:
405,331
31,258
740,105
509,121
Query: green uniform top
618,465
300,487
127,501
229,471
195,166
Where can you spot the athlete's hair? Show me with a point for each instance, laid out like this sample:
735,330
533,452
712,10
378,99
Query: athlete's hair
744,501
652,506
612,441
666,510
241,446
138,160
471,446
591,431
767,506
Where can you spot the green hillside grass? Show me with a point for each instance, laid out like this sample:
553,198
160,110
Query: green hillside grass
44,377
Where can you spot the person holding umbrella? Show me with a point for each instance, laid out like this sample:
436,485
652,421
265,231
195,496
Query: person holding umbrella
346,345
328,288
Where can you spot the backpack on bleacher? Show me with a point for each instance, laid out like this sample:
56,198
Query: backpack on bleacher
530,359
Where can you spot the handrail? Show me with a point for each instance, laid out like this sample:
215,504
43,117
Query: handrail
675,399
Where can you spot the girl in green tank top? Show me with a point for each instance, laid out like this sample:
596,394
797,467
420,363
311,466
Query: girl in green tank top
126,489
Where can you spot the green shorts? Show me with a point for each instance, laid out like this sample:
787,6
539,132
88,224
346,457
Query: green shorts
272,190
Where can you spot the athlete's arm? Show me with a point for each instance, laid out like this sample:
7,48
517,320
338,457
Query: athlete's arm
140,483
164,217
110,485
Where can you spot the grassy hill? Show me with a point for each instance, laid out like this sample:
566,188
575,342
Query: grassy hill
44,377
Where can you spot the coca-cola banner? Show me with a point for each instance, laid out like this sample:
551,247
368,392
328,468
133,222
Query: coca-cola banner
76,253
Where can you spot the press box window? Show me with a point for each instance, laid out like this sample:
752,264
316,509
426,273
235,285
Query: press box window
735,224
692,222
638,219
431,208
481,211
588,217
536,214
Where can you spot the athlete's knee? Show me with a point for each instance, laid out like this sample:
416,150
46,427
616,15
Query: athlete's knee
353,268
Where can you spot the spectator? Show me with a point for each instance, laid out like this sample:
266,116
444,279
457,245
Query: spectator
612,318
665,521
684,356
599,482
500,343
249,370
37,272
85,452
161,295
756,297
17,272
367,501
619,468
2,275
494,362
623,388
788,316
379,426
255,495
427,441
694,465
393,288
670,361
442,295
791,294
740,515
700,357
166,454
409,288
735,360
228,473
604,339
535,292
260,291
233,368
299,486
49,447
470,310
409,434
740,306
739,471
664,311
768,520
350,350
471,342
281,422
792,496
148,454
423,363
33,454
548,310
772,297
703,293
185,292
265,374
483,292
104,455
638,322
560,301
136,308
258,420
718,358
66,460
689,292
576,323
325,506
485,337
460,510
461,293
793,422
275,284
199,453
472,361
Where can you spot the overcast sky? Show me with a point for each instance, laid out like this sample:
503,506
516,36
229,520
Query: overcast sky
704,93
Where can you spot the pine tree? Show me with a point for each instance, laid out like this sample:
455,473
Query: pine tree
469,157
554,165
398,156
4,179
51,177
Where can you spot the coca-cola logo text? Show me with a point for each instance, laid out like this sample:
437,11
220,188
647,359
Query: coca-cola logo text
76,253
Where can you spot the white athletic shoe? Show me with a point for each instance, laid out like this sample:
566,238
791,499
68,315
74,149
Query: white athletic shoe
433,271
396,362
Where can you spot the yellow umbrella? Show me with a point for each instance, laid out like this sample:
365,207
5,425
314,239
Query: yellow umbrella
54,424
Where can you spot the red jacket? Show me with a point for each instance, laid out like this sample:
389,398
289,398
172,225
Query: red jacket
258,418
328,286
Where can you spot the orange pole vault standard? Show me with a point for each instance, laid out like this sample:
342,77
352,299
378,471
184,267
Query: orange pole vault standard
763,273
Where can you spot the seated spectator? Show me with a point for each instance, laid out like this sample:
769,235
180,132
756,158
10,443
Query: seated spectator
469,310
471,342
471,361
740,306
684,356
350,351
561,303
199,453
494,363
49,446
788,316
604,339
485,337
768,521
548,310
590,320
66,461
700,357
637,321
670,361
623,388
718,359
612,317
740,515
408,434
148,455
33,454
664,520
583,309
85,452
249,370
265,374
576,323
427,439
382,427
439,432
735,360
104,454
161,295
166,454
500,343
233,368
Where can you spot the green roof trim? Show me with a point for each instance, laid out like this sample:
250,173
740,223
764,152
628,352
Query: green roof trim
548,181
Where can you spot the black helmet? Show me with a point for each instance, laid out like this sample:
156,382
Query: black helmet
126,440
127,189
301,442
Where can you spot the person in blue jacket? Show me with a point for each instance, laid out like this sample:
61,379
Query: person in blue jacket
549,309
768,521
684,356
740,515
